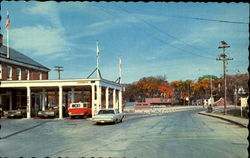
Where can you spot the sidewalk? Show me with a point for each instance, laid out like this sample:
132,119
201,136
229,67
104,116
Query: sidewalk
233,119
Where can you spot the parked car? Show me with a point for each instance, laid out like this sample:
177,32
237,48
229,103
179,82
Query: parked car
50,112
108,115
82,109
1,111
19,112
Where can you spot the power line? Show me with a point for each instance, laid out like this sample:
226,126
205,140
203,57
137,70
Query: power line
164,42
215,20
156,28
224,59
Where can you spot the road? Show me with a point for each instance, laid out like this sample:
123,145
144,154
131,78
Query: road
177,135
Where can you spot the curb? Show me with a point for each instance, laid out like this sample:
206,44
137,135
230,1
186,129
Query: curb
235,122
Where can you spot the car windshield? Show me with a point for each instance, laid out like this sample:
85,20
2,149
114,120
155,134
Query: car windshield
75,105
106,112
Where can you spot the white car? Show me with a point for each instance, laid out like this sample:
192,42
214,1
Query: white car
108,115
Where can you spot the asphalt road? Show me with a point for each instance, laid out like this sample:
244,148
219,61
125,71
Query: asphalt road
176,135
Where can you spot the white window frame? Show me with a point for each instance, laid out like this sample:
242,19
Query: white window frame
27,72
19,76
1,71
40,75
9,74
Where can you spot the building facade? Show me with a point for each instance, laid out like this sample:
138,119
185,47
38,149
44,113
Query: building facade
17,66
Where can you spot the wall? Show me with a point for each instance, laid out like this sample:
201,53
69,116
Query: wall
33,73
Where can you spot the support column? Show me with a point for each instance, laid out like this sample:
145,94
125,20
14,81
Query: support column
10,103
107,97
1,99
120,101
93,99
43,99
99,97
60,102
114,98
72,95
28,102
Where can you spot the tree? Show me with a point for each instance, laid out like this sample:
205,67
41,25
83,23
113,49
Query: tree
148,87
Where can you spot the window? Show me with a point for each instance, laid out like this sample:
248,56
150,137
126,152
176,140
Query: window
75,105
40,75
9,73
0,71
27,75
18,73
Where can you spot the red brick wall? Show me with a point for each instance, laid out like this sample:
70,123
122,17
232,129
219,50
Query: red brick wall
4,71
33,73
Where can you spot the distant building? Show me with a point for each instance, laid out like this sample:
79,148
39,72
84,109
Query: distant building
153,102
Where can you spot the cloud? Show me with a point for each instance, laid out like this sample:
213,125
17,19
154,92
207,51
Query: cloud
108,24
48,9
39,40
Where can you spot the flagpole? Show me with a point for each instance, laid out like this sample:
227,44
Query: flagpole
97,60
120,68
8,43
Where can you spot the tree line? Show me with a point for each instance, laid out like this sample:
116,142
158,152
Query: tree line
187,90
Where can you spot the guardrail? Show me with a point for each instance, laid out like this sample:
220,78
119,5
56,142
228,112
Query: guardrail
154,110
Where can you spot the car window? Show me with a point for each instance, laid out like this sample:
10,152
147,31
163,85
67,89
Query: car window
106,112
75,105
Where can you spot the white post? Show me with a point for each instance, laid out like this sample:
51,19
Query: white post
99,97
120,101
60,102
72,95
107,97
28,102
43,99
93,99
114,98
10,103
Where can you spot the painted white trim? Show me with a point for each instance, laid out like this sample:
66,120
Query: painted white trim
55,83
19,75
9,73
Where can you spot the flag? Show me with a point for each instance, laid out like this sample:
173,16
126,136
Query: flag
120,64
97,49
7,21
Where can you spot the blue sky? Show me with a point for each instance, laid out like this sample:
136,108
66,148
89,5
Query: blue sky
152,39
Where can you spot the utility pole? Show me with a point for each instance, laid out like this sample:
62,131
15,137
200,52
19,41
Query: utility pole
223,58
58,69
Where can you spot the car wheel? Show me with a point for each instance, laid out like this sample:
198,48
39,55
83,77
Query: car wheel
121,120
116,121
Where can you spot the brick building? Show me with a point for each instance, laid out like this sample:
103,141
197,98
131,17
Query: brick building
17,66
20,67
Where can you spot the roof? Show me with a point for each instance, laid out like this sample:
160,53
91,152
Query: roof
19,57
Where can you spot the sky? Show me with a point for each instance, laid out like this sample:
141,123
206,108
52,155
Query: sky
173,39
